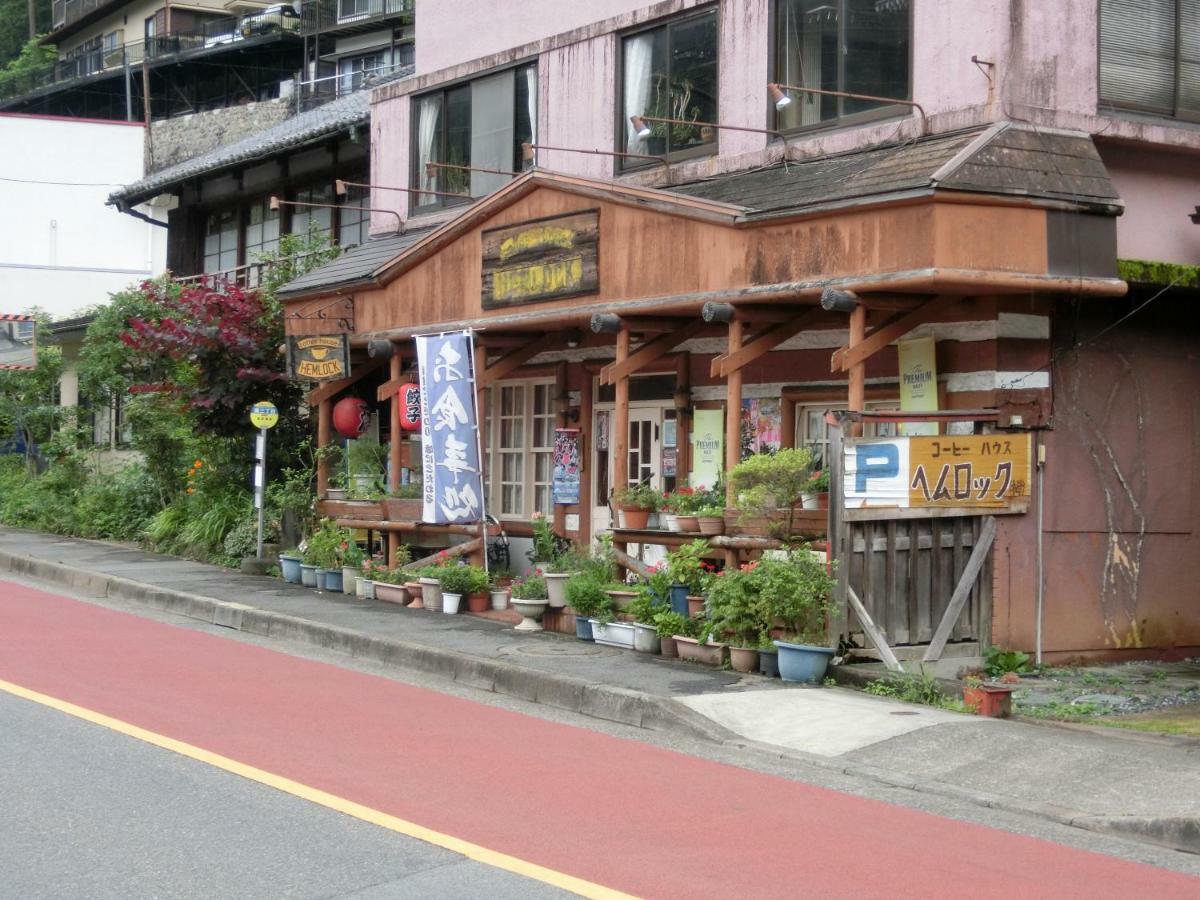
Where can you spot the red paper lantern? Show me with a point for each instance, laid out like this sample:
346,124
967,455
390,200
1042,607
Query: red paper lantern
351,417
409,396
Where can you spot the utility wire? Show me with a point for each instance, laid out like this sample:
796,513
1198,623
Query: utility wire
63,183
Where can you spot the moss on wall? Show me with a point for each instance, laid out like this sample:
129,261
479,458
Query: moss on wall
1143,271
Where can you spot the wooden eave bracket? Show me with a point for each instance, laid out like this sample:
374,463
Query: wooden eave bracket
726,363
896,326
649,352
514,359
332,388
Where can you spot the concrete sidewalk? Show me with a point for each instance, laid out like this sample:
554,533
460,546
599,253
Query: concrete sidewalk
1134,785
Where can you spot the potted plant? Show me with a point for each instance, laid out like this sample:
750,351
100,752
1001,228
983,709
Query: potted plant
711,519
768,656
816,496
323,551
612,633
352,560
587,598
770,485
289,565
641,610
529,599
666,512
390,585
738,614
795,590
459,581
988,698
686,569
684,503
501,579
636,502
695,643
366,459
668,624
334,457
545,541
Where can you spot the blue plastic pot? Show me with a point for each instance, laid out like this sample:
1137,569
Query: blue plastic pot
308,575
583,628
290,567
803,662
332,582
679,595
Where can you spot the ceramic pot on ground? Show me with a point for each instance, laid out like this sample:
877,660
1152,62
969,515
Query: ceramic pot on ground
711,524
531,611
319,578
499,600
679,599
331,582
416,594
668,648
645,638
613,634
803,663
635,517
743,659
583,628
289,567
349,574
368,588
670,521
695,606
992,700
450,603
391,593
708,654
431,594
768,663
689,524
308,575
556,587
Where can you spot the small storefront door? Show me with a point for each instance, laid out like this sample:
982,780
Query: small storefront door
644,460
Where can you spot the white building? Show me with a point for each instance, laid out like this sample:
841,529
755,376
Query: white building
61,248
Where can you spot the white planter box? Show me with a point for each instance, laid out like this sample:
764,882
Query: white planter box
614,634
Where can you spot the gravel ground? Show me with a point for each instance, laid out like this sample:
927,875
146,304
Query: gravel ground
1114,689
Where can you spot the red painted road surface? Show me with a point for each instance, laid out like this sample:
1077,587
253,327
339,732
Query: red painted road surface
629,816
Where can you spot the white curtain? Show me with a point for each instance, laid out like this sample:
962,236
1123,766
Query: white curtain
810,76
427,122
531,74
491,131
639,54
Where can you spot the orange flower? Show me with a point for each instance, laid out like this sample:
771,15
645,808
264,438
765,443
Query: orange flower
197,464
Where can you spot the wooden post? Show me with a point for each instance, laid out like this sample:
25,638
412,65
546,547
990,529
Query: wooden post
620,437
393,538
733,412
836,540
478,555
683,418
324,415
561,407
587,459
858,371
787,423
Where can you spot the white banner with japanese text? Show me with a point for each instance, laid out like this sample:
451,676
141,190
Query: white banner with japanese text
453,478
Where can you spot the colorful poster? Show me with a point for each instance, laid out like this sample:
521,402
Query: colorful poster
708,447
762,426
989,471
565,483
453,481
918,382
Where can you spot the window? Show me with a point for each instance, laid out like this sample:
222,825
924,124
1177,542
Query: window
856,46
670,72
354,71
812,431
321,219
522,452
221,241
482,124
354,222
1150,56
262,229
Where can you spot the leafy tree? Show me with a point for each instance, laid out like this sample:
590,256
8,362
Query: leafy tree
30,59
28,413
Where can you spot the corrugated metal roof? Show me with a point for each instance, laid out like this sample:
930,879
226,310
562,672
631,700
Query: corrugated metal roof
290,134
356,264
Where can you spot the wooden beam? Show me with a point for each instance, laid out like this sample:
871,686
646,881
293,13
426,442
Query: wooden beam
733,413
656,323
649,352
873,632
962,590
857,394
730,361
765,313
463,549
633,565
514,359
619,439
893,329
333,388
387,390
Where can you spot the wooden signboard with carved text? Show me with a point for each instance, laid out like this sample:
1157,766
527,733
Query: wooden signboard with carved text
324,357
543,259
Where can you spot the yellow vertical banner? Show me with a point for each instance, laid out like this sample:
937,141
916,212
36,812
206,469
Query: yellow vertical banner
918,382
708,447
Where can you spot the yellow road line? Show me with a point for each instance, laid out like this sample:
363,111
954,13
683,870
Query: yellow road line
322,798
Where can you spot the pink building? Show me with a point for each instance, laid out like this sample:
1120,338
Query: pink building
1086,110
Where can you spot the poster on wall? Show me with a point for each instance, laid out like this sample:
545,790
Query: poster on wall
565,484
453,481
762,426
708,447
918,382
985,471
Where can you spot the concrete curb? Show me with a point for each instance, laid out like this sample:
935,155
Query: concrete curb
598,701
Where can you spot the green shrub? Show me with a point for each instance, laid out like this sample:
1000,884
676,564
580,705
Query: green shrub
462,579
587,597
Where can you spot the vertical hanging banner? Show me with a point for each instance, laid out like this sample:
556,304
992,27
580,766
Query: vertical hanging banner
918,382
708,447
453,480
565,484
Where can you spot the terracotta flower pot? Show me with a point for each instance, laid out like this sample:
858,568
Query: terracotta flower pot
689,524
667,647
991,700
391,593
706,654
477,603
695,606
416,593
743,659
636,517
711,524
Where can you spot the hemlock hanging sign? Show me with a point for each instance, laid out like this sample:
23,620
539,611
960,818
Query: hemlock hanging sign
453,478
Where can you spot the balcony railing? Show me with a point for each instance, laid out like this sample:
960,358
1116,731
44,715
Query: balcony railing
213,34
67,12
329,15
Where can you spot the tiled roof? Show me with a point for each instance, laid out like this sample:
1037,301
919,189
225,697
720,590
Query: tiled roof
299,130
355,265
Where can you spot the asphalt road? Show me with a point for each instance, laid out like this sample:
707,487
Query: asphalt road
107,814
90,813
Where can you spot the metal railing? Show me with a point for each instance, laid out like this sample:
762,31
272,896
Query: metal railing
211,35
324,15
67,12
316,91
